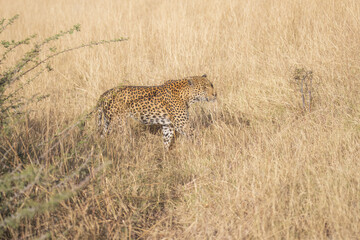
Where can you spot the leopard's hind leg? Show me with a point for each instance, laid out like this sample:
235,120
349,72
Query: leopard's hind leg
99,119
107,128
168,136
103,121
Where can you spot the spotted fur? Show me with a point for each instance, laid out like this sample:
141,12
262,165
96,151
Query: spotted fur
166,105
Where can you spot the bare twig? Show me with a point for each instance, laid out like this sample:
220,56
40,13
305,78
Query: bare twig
302,91
310,89
67,50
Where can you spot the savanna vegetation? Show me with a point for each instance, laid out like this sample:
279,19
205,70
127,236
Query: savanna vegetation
277,156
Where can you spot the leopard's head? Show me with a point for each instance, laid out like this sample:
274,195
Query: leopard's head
201,89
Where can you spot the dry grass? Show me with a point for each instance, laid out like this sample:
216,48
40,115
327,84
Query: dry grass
261,166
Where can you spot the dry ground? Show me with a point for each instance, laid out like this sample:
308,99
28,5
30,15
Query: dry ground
260,167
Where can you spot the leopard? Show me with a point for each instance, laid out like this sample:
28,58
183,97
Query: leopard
166,105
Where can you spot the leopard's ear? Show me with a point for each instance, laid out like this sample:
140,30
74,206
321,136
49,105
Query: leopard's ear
190,81
204,76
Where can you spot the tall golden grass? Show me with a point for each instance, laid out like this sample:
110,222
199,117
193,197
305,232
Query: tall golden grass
260,166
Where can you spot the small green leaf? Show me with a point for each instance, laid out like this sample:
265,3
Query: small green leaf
5,44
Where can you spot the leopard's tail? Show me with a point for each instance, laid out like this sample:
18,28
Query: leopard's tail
99,115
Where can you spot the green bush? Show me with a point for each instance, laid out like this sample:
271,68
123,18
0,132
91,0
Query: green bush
30,186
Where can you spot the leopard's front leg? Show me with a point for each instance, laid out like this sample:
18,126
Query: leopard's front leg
182,124
179,118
